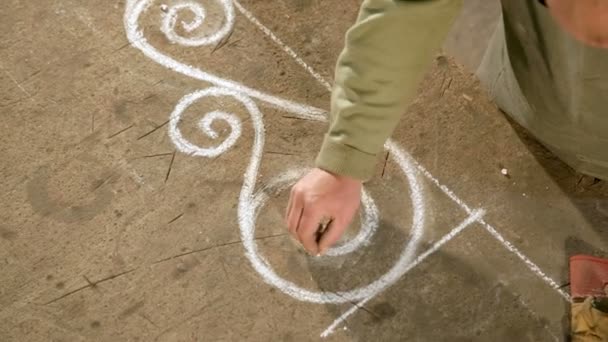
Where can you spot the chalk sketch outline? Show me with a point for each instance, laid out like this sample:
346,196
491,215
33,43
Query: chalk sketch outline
247,206
249,201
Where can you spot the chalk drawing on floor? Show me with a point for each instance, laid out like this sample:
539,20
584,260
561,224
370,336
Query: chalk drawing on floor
252,201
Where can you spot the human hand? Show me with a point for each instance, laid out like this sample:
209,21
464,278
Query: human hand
322,198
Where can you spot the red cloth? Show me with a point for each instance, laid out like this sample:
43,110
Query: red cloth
588,276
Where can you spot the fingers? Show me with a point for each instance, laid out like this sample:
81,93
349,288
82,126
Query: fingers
319,195
302,221
288,210
332,234
294,212
307,230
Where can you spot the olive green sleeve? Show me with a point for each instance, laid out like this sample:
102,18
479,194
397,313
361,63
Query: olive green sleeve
386,54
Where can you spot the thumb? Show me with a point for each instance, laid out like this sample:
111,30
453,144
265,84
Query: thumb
332,234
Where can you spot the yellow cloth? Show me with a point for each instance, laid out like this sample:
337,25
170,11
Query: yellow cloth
588,323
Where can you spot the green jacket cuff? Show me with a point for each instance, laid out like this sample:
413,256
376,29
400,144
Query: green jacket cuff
345,160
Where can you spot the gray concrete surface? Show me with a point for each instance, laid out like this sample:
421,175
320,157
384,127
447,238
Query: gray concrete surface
108,234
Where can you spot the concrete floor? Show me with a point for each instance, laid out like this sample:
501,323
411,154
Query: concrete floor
109,233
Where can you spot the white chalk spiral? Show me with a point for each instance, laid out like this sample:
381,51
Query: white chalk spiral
205,125
170,19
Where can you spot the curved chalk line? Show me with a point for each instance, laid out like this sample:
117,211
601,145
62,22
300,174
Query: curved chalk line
251,202
133,11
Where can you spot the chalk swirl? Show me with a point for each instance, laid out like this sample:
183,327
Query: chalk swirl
205,125
172,13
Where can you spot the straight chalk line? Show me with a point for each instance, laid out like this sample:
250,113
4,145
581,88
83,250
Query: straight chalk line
283,46
529,263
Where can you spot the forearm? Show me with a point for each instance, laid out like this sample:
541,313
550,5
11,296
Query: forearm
386,54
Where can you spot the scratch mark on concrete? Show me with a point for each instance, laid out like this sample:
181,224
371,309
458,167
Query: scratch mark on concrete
281,153
385,162
155,155
176,218
447,87
214,247
234,42
358,306
223,42
148,320
170,166
16,83
90,284
154,130
298,118
104,181
121,131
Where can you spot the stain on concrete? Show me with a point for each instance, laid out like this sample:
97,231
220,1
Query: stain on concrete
7,234
300,5
55,207
384,310
131,310
184,266
120,110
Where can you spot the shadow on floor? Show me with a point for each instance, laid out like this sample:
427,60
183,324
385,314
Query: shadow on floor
445,298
